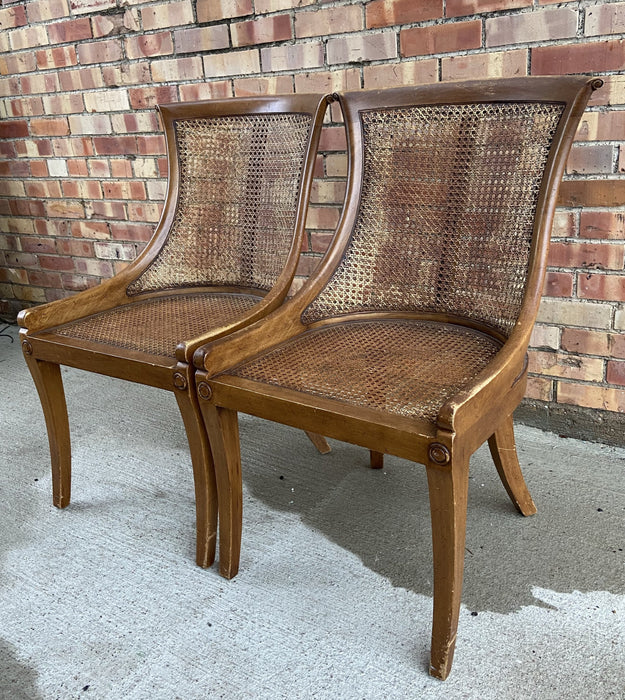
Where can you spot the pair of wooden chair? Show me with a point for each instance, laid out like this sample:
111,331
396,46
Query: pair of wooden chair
409,339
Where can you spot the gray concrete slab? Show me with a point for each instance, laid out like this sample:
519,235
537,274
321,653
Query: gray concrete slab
333,600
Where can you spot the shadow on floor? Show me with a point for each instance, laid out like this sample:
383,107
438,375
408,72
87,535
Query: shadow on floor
17,681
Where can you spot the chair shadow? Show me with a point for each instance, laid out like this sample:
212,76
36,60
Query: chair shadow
382,516
17,680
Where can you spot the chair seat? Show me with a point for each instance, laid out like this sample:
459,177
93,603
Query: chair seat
406,367
155,326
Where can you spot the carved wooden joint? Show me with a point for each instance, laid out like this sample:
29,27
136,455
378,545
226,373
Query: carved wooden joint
27,347
439,454
180,381
204,391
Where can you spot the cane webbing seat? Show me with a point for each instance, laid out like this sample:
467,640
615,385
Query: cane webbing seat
223,255
410,338
400,366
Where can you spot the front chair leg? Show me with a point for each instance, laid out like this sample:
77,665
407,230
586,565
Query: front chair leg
223,433
319,442
503,452
203,475
49,383
448,486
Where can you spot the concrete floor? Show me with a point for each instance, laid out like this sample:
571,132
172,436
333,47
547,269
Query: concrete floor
333,600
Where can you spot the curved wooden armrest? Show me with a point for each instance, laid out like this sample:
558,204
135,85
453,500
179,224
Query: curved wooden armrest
460,412
223,353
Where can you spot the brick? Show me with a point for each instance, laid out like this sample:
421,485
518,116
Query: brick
89,229
616,372
28,37
115,145
216,89
232,63
126,74
332,20
176,69
145,98
606,18
384,13
18,63
333,139
107,101
14,169
14,129
171,14
31,294
362,47
601,126
621,160
539,388
606,287
57,167
128,231
95,268
47,82
13,276
115,251
70,147
65,210
77,167
75,248
26,107
46,10
590,159
39,168
124,190
9,86
63,103
405,73
307,265
441,38
264,6
592,193
261,31
90,124
612,92
58,57
591,57
81,79
49,127
151,145
574,313
273,85
216,10
322,218
616,346
82,189
328,81
564,225
540,25
600,256
336,165
583,342
86,6
562,365
602,224
619,319
12,17
545,337
459,8
19,259
320,240
558,284
202,39
56,262
107,210
105,51
292,57
327,192
99,167
33,244
144,212
70,30
120,167
158,44
496,64
110,25
130,123
77,283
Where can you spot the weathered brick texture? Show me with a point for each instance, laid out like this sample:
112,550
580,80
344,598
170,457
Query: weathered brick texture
82,158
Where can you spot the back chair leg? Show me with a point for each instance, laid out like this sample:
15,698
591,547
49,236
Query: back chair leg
203,477
448,487
223,433
319,442
49,383
376,459
503,452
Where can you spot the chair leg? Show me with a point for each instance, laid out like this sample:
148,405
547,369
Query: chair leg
376,459
503,452
319,442
203,477
448,488
49,383
223,433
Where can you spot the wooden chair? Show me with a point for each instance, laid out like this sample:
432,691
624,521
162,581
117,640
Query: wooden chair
411,337
222,256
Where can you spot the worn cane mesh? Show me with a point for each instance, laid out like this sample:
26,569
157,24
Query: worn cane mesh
447,212
405,367
156,326
235,215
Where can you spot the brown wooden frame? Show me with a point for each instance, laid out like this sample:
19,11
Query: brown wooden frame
45,350
480,411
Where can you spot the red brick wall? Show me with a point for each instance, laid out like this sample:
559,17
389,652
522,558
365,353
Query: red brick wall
82,156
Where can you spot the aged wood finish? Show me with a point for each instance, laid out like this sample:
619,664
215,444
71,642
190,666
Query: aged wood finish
340,358
72,331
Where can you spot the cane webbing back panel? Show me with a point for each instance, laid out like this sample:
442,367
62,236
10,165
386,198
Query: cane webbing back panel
236,210
445,223
156,326
405,367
